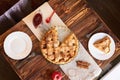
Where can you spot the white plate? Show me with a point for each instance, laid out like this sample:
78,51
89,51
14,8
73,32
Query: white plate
17,45
97,53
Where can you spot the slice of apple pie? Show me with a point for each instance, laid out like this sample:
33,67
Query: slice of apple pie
58,52
103,44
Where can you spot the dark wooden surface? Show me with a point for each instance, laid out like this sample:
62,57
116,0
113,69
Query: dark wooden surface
35,67
82,20
6,72
79,18
109,11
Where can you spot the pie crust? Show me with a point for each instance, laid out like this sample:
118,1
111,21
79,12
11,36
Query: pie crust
103,44
58,52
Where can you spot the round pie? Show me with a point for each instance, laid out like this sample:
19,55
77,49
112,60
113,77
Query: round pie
58,52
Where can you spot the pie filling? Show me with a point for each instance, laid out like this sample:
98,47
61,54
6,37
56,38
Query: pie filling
58,52
103,44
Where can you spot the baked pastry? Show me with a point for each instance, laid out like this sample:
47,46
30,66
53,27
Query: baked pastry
58,52
103,44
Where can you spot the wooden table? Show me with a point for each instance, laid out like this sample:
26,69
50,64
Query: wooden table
80,18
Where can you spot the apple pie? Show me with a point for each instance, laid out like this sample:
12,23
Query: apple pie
103,44
58,52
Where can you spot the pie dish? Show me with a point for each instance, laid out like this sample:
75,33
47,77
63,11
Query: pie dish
58,52
95,52
17,45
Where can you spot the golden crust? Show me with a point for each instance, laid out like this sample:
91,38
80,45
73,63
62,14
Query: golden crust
103,44
58,52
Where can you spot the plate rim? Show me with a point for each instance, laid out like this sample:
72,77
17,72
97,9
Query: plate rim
109,55
24,36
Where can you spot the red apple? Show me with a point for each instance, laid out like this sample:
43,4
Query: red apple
56,76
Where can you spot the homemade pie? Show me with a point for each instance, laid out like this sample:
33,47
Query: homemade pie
103,44
58,52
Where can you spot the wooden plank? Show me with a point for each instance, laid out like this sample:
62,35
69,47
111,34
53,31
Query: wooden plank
81,19
29,66
109,13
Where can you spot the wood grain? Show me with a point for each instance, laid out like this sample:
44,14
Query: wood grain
108,10
80,18
85,23
27,67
